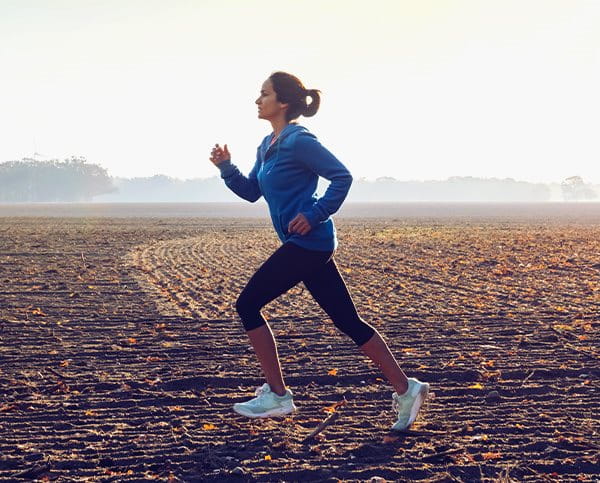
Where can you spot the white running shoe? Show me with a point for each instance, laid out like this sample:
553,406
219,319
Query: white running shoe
408,404
266,404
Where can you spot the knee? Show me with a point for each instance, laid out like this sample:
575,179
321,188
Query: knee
240,304
244,306
249,312
357,329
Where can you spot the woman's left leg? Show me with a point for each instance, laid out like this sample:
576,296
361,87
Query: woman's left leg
329,290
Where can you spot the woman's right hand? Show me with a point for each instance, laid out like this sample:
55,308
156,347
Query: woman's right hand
219,154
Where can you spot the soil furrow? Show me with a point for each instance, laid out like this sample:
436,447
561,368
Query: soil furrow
122,354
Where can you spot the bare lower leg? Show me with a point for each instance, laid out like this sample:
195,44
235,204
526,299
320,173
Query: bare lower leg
377,350
263,342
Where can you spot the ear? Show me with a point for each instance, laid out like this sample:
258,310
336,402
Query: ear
284,105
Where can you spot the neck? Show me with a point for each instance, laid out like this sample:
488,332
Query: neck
278,126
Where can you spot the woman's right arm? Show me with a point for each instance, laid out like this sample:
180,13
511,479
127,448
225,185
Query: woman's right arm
245,187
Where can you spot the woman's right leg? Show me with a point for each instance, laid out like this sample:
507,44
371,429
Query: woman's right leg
284,269
329,289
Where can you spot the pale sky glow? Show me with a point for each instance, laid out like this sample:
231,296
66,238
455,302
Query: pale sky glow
411,89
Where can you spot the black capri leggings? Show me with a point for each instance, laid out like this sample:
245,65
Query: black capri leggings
285,268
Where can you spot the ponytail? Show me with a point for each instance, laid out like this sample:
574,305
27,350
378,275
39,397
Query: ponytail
290,90
312,108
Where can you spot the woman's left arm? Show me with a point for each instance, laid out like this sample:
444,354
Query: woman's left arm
317,158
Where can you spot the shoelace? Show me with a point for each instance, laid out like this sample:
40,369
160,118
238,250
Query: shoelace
261,390
396,402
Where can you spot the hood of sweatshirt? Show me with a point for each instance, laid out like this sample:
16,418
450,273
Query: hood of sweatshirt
286,137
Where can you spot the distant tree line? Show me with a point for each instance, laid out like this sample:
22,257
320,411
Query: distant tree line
163,188
574,189
456,188
72,179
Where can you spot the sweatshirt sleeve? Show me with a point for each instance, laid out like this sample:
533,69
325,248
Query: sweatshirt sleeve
318,159
245,187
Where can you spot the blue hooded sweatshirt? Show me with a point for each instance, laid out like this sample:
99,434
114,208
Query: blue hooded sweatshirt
286,174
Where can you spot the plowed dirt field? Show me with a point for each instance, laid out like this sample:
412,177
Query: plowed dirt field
121,353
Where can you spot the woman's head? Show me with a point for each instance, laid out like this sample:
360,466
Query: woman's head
290,96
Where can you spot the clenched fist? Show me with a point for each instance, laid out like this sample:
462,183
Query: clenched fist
218,154
299,225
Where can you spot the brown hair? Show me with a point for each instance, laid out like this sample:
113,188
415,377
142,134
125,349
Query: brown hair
290,90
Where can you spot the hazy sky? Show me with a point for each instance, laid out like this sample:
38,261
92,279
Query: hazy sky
413,89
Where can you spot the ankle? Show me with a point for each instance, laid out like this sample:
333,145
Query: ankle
401,389
279,391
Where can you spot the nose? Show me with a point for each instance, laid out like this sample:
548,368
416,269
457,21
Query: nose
257,101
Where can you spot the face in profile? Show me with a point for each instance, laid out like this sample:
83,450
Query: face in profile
268,106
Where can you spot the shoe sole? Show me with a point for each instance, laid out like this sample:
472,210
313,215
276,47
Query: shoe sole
419,400
268,414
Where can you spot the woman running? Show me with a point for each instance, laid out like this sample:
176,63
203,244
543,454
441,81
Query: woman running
288,164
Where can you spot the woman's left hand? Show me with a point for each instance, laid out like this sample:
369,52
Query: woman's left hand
299,225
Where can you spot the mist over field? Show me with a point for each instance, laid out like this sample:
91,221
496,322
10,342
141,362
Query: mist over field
384,189
547,213
76,180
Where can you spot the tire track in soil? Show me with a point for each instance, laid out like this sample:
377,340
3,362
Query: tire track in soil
121,361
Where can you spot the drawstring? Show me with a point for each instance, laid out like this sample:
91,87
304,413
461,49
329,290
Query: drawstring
276,157
278,142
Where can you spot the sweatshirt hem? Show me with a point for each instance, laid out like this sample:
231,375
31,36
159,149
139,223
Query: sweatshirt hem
312,246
